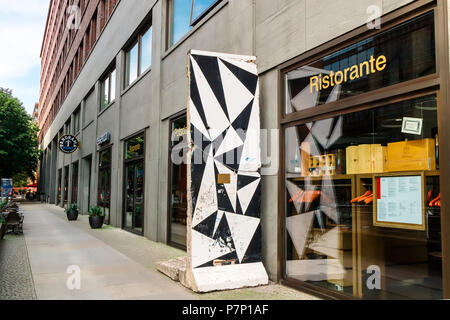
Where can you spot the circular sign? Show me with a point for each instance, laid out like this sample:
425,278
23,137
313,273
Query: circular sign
68,144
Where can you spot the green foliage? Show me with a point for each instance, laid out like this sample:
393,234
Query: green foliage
21,180
96,212
2,206
18,138
73,207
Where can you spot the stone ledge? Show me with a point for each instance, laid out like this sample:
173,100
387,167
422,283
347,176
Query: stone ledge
175,269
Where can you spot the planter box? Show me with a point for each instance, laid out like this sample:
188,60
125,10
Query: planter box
72,215
96,222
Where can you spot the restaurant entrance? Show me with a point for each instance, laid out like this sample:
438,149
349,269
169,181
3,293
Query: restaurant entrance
133,214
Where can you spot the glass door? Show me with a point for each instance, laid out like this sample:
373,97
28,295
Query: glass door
134,196
178,183
66,186
59,187
75,183
133,219
104,184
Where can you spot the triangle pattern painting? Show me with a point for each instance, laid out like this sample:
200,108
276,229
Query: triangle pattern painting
225,185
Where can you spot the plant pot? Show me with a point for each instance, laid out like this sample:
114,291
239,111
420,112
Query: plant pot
72,215
2,231
96,222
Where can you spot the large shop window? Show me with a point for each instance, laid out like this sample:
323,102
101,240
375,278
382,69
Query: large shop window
133,216
178,178
185,14
363,199
403,53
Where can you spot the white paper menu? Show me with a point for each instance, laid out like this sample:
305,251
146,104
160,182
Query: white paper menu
400,200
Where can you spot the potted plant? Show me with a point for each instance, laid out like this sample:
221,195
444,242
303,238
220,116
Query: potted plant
72,212
96,217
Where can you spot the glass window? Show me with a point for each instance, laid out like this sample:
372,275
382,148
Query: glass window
134,148
181,15
362,198
66,186
108,87
104,183
75,182
67,127
131,65
59,187
76,121
184,14
200,7
139,58
112,82
105,93
403,53
146,51
178,179
105,158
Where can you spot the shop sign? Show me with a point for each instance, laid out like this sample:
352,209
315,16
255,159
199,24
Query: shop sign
69,144
352,73
104,138
135,148
180,132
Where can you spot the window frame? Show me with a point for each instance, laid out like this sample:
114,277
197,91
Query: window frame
108,77
137,42
172,119
192,22
76,113
431,84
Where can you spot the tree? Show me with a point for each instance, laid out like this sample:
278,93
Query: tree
19,151
21,180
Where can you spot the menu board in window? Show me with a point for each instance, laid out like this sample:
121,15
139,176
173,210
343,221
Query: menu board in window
399,202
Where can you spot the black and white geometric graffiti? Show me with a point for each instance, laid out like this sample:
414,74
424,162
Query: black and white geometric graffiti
225,187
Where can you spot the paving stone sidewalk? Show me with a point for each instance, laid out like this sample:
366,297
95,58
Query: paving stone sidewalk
16,281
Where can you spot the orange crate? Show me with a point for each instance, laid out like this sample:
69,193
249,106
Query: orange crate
411,155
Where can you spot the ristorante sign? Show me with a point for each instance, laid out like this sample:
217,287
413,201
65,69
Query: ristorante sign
365,68
68,144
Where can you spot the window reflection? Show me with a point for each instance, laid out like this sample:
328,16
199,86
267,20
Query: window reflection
409,50
181,15
200,7
184,15
178,182
146,51
333,167
132,65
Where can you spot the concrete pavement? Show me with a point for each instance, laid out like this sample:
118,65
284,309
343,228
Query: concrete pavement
54,244
114,264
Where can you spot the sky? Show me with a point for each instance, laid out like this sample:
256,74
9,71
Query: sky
22,25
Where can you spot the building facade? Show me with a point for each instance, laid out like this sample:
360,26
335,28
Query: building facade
352,109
